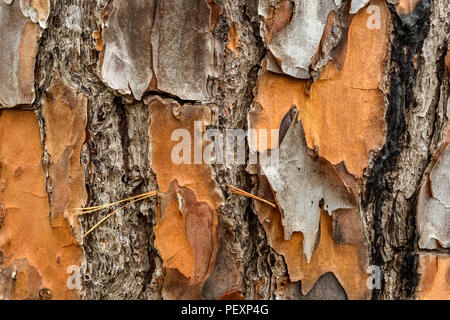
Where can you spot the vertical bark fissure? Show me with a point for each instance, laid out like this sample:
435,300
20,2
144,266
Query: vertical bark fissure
249,242
379,187
390,197
122,253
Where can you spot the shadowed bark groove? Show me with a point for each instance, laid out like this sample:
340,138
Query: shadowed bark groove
391,191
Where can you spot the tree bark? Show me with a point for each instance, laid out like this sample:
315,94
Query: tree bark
98,95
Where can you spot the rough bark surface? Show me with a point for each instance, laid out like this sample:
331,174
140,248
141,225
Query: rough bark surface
353,96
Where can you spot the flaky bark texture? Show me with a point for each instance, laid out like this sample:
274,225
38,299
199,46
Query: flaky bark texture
351,96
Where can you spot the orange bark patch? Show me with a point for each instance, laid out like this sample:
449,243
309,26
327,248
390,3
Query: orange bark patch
216,11
342,112
234,295
172,242
279,17
42,8
435,280
26,232
343,260
197,203
97,35
65,114
234,44
198,226
283,15
406,6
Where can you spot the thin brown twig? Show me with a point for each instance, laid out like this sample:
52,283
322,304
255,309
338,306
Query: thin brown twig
249,195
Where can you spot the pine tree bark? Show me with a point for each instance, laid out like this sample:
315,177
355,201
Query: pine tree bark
93,91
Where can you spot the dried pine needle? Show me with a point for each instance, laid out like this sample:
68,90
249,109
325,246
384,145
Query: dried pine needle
149,195
98,208
249,195
105,206
106,218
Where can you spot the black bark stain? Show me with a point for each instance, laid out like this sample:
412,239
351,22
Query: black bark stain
409,33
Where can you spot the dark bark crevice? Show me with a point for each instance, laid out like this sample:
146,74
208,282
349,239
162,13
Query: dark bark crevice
387,202
120,258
